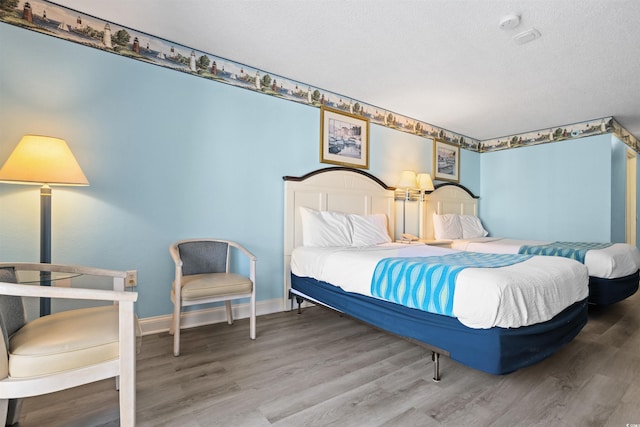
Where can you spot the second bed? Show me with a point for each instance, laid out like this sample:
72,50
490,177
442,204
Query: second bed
450,213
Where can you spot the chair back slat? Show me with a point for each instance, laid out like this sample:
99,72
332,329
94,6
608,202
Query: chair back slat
203,257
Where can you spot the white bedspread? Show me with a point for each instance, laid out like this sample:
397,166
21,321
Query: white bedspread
617,260
522,294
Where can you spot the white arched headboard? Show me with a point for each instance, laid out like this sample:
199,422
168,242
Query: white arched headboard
446,198
338,189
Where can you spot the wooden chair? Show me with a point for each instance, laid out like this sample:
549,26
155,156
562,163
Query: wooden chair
203,275
68,348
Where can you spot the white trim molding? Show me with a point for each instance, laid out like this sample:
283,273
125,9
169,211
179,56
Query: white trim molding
209,315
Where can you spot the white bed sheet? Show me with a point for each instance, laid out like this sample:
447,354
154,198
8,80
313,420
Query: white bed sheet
522,294
617,260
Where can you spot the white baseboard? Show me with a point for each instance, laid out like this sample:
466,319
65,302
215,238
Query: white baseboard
193,318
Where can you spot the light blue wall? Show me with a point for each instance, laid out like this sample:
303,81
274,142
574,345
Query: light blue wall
168,156
618,190
559,191
470,170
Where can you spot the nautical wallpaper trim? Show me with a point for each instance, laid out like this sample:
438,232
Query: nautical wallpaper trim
54,20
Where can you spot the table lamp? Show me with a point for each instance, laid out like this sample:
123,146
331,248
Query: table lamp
43,160
425,184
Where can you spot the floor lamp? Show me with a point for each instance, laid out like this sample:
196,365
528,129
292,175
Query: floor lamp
45,161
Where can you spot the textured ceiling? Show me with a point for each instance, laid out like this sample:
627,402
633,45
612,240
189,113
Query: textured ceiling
445,62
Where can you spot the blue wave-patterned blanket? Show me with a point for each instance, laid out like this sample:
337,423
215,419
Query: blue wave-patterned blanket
573,250
428,283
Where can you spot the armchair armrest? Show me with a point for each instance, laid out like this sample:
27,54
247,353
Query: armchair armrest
175,256
245,251
70,293
252,260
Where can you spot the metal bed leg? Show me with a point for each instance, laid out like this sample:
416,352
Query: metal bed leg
299,300
436,366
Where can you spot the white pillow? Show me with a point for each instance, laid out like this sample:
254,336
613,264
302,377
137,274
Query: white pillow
324,228
472,227
369,230
447,226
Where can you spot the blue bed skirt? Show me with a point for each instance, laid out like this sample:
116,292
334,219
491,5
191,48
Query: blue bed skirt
495,350
609,291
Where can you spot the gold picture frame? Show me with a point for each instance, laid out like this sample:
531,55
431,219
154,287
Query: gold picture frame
446,161
344,138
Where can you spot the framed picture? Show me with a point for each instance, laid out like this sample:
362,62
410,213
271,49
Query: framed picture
344,138
446,161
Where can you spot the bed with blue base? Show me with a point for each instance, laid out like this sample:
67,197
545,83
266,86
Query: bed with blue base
614,268
496,350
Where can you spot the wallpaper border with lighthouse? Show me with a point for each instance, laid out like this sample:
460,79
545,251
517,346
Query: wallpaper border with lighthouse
68,24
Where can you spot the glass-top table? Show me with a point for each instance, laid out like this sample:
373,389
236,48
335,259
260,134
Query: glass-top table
61,279
42,277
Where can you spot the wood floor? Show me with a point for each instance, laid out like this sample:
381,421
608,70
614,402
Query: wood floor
321,369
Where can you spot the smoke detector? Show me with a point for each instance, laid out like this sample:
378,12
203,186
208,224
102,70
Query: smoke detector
509,22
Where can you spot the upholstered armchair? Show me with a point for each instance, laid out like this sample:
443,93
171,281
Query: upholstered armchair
69,348
203,275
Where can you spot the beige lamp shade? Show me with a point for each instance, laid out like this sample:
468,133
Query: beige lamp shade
407,180
424,182
42,160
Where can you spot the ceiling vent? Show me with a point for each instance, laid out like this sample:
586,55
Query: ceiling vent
527,36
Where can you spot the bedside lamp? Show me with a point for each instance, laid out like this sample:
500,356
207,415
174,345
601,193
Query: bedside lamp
407,183
424,184
43,160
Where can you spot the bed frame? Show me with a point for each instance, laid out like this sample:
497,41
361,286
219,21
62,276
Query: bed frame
445,198
455,198
338,189
494,350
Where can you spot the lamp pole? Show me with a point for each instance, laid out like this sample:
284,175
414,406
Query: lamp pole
45,244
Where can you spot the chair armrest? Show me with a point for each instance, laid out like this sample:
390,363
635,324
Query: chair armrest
70,293
244,250
252,260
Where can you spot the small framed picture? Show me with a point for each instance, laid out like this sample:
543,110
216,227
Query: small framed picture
446,161
344,138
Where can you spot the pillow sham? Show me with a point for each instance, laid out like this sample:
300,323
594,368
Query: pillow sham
325,228
447,226
369,230
472,227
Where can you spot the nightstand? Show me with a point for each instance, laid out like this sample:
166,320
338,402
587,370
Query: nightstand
441,243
